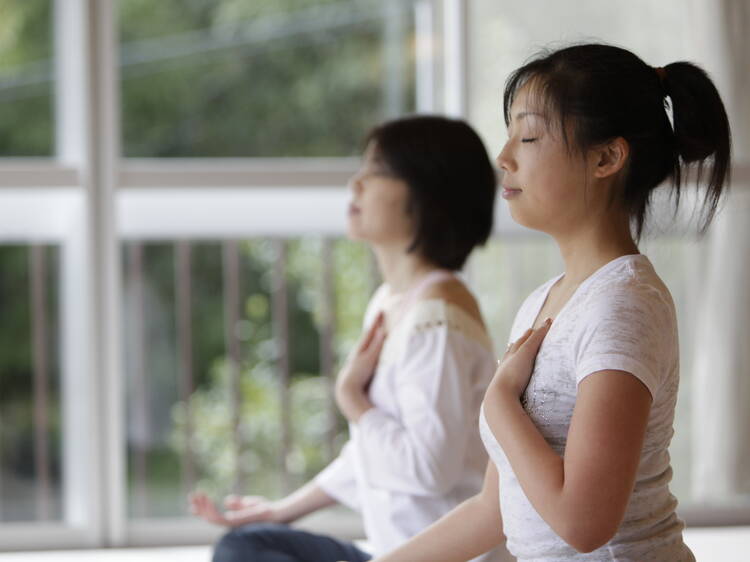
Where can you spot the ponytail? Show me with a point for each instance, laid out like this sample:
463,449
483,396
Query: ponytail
607,92
701,130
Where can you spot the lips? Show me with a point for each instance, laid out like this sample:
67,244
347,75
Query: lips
509,192
353,209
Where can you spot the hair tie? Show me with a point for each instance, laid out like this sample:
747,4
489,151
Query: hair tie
661,72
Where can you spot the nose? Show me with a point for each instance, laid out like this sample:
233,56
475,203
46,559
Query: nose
505,160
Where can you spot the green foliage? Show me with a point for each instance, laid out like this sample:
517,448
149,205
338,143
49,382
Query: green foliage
26,120
264,78
218,78
17,386
259,435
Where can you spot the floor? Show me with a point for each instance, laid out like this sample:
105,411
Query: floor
726,544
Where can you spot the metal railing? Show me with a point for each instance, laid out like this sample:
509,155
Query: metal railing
28,475
233,283
508,265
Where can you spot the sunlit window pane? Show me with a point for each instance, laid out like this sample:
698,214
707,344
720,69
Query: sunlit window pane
26,86
30,413
236,78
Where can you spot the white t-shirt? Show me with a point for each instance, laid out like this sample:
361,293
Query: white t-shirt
621,318
417,454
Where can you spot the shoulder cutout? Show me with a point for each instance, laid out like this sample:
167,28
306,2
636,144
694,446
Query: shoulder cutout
454,292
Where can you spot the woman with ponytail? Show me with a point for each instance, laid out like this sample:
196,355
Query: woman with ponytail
579,415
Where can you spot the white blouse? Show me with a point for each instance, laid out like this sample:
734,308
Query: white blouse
417,454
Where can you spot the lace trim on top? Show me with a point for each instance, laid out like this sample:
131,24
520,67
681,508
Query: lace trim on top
431,314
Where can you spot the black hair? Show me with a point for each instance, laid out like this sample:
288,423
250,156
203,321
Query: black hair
451,183
603,92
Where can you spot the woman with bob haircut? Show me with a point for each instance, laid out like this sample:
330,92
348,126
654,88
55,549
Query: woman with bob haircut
411,389
579,415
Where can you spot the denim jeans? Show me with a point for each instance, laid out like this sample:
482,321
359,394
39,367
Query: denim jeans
279,543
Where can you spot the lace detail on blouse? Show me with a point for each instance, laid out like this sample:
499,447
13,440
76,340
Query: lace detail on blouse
427,316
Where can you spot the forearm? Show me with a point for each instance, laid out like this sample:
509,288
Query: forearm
305,500
539,469
408,458
353,402
471,529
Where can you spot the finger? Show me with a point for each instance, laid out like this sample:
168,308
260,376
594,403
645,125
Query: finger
197,509
520,341
534,341
248,502
197,503
372,332
206,506
252,500
201,508
209,504
194,502
242,517
376,345
233,501
217,519
213,514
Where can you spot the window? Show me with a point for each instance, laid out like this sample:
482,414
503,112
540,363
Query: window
26,69
262,79
30,419
230,350
176,286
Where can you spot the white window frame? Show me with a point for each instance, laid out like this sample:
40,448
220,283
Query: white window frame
89,190
98,199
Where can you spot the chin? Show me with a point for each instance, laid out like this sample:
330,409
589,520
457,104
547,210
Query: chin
518,216
353,232
527,220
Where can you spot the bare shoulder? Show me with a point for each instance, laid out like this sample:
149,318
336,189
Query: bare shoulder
454,292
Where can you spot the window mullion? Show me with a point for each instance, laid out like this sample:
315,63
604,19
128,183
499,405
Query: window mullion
87,139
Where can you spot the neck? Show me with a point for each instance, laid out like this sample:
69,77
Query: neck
400,269
589,247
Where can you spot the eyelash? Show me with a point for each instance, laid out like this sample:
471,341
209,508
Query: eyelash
529,140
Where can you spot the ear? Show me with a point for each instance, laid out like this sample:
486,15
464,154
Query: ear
611,157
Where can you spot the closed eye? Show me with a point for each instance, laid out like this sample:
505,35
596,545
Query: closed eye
529,139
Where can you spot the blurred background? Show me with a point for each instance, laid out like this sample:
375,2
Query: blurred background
177,291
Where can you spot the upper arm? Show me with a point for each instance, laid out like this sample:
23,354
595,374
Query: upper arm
422,449
603,450
435,395
627,347
631,328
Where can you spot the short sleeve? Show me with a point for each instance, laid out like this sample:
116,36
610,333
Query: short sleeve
629,327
